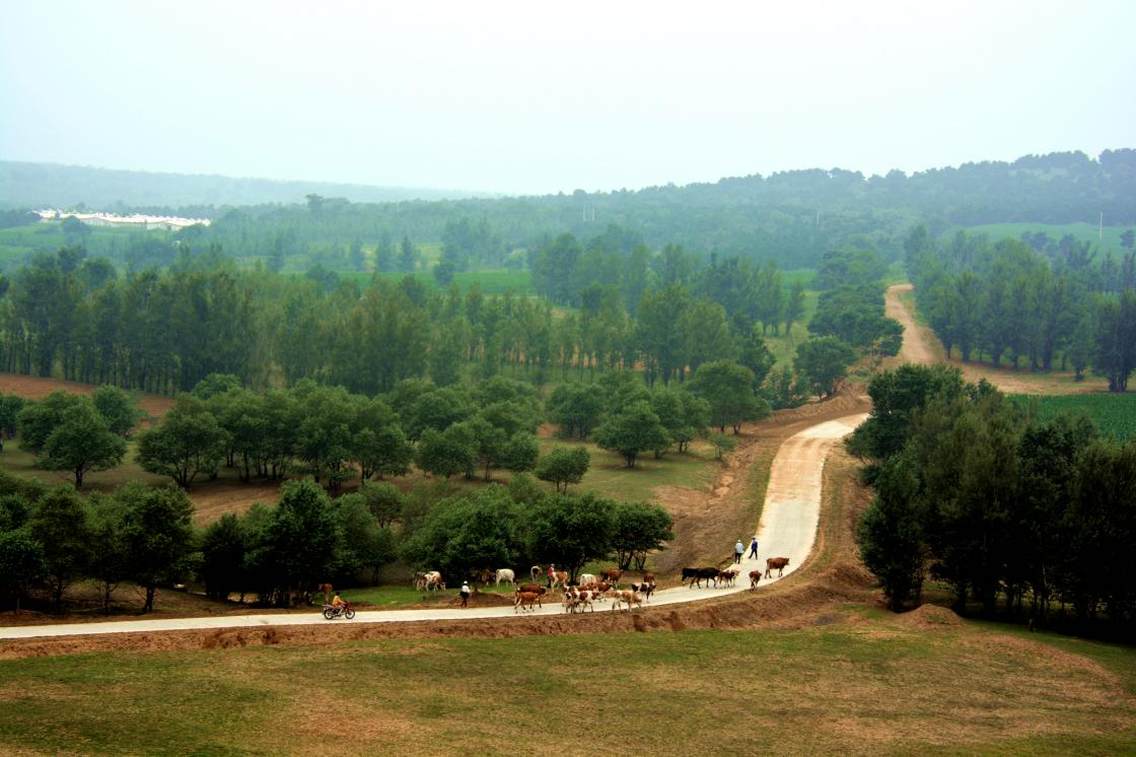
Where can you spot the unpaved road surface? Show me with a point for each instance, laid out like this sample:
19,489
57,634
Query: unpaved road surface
916,343
788,529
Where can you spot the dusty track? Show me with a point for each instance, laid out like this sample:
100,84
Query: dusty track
36,387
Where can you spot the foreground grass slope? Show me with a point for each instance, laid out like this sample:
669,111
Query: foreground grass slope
861,682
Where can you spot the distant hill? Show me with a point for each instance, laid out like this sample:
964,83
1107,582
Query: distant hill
49,185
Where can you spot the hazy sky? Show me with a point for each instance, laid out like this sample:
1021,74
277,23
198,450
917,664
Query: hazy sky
535,96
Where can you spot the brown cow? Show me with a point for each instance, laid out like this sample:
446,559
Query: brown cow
778,563
754,577
648,578
612,576
526,600
533,588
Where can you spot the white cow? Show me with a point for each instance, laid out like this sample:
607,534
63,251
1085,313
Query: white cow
506,575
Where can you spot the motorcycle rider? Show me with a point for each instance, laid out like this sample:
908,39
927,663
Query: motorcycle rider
337,602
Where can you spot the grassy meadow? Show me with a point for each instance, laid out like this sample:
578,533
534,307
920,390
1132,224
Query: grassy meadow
830,687
1084,232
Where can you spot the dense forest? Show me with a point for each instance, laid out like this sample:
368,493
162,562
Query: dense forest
1037,303
791,218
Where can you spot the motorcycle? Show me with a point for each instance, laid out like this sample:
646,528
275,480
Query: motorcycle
331,612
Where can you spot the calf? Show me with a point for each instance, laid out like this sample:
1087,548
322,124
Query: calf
775,563
754,577
727,576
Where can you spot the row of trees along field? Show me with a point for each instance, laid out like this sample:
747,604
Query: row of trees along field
1033,302
972,492
52,538
165,331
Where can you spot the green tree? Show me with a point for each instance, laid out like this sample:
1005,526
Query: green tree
187,443
824,361
576,408
385,502
728,388
118,409
446,453
634,430
21,564
110,552
462,535
224,551
301,538
37,420
640,528
158,530
10,407
571,530
890,534
563,466
59,524
408,256
366,546
80,444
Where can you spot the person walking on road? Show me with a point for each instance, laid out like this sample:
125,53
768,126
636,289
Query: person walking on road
753,549
465,592
739,550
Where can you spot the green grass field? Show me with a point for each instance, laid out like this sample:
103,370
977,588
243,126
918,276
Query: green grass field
1085,232
609,477
1113,414
831,688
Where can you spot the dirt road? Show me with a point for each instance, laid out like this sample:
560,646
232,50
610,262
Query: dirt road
917,343
788,529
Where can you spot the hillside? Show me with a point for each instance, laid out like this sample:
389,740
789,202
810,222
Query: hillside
48,185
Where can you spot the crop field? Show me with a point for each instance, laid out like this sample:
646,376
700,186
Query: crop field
1084,232
1113,414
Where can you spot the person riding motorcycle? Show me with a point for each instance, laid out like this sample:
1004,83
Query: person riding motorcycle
337,602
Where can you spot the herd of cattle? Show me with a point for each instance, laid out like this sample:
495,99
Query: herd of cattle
590,589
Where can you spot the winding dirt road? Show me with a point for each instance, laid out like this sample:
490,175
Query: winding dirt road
788,529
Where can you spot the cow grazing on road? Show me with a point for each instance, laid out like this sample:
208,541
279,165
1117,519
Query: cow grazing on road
698,575
754,577
506,575
775,563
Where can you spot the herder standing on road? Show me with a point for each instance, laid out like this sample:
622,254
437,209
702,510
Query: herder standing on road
465,592
739,550
753,549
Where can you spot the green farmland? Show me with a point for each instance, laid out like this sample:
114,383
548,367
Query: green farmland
1113,414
